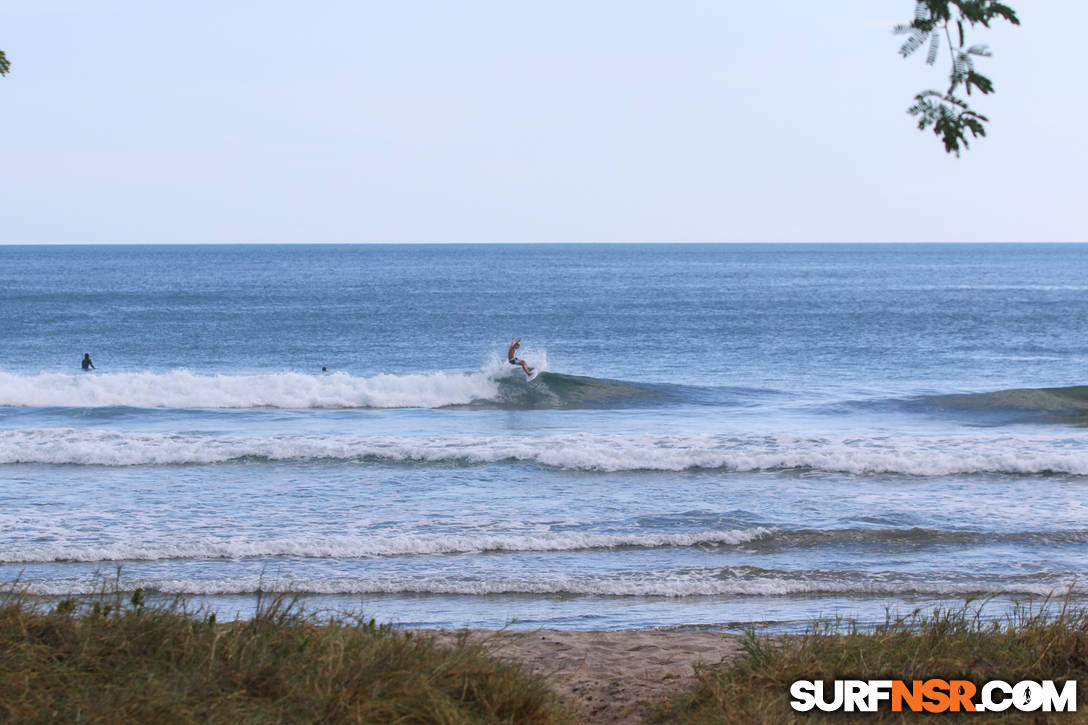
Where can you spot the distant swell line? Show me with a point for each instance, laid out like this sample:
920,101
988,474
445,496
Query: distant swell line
916,456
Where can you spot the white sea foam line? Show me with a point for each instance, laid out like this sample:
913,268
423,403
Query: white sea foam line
919,456
665,585
371,546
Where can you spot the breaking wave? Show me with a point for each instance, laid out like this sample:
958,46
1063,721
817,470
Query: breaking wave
914,456
497,386
426,544
728,581
361,547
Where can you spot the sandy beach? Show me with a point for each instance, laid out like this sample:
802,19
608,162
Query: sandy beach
609,676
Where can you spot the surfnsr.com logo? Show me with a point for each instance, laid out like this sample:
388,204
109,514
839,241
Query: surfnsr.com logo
933,695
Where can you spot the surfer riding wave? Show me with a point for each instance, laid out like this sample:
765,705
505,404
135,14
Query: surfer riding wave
512,358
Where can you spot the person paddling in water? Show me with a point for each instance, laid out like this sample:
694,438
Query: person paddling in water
512,358
87,364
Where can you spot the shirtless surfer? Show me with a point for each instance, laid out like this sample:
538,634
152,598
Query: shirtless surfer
513,360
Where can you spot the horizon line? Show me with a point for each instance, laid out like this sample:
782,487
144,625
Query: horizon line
506,243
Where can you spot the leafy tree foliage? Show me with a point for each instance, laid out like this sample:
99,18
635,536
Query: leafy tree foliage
5,64
942,21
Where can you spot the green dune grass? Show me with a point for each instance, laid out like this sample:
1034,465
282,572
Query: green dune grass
116,659
1032,643
127,662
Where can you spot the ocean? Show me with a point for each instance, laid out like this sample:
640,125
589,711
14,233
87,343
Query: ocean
723,437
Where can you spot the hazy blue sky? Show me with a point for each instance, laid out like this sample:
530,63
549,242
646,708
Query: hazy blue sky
598,120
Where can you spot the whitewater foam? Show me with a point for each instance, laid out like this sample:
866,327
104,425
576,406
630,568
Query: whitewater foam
422,544
185,390
916,456
348,547
742,581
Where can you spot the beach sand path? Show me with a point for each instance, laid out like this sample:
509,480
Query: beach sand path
609,677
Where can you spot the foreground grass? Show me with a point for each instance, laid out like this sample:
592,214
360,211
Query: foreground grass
114,660
122,661
1030,644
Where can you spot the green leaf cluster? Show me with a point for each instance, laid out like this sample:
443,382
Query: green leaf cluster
5,64
935,20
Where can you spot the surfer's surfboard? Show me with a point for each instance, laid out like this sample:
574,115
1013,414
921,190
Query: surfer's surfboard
532,376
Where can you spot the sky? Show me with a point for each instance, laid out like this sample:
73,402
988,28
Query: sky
274,121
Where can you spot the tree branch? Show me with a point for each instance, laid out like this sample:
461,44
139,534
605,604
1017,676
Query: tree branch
951,118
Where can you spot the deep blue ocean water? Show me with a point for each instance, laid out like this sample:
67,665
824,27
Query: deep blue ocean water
723,434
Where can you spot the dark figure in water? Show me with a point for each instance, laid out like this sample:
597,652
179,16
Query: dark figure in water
87,364
514,345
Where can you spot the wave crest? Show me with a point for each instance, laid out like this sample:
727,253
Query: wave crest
1072,399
